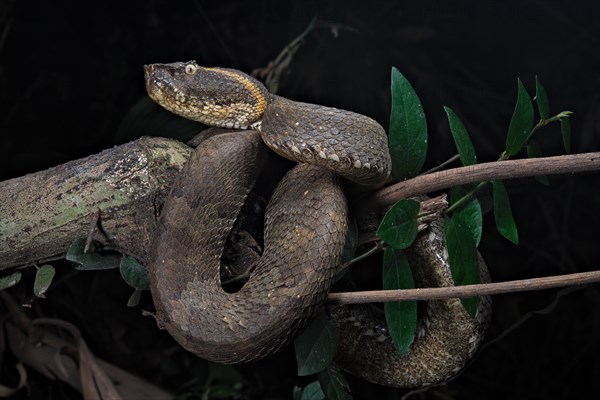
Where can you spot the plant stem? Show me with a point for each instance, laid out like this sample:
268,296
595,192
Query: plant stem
465,198
369,211
377,248
452,292
442,165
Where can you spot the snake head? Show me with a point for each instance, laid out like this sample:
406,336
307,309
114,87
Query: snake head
213,96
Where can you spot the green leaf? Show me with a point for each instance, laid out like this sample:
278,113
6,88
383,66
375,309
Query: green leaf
92,260
134,273
505,222
521,121
312,391
401,316
10,280
565,128
541,98
470,214
461,138
398,227
43,279
333,383
463,258
534,151
408,129
316,346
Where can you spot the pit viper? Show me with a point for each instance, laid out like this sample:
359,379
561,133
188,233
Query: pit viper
305,229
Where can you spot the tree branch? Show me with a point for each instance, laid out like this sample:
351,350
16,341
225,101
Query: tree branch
452,292
42,213
370,211
119,190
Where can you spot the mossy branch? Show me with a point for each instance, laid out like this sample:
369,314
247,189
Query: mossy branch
42,213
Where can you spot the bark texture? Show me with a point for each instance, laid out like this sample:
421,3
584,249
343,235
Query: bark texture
120,190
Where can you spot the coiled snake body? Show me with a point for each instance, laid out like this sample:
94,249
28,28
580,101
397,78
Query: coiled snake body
306,223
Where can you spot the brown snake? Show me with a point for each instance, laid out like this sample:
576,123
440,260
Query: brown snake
305,229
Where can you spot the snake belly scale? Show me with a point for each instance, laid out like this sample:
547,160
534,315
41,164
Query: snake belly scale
306,224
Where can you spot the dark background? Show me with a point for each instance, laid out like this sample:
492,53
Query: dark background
71,72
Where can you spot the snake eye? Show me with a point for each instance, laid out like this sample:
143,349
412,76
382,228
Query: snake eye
190,69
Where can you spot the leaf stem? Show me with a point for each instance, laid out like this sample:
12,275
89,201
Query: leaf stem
375,249
466,197
504,156
543,122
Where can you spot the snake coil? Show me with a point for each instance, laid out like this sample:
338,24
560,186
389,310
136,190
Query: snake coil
306,223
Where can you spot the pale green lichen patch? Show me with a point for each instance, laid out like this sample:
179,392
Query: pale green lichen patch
60,203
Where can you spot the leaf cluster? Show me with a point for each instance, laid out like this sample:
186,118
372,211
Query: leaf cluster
462,220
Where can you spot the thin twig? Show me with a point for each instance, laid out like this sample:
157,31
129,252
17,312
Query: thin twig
375,249
442,165
216,32
543,311
452,292
272,72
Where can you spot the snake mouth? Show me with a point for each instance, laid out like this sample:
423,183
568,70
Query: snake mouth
164,86
159,83
148,71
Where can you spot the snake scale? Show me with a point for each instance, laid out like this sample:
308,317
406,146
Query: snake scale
305,228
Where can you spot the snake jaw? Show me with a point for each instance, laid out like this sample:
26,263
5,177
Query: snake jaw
213,96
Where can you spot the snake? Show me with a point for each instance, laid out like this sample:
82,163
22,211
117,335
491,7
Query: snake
305,229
